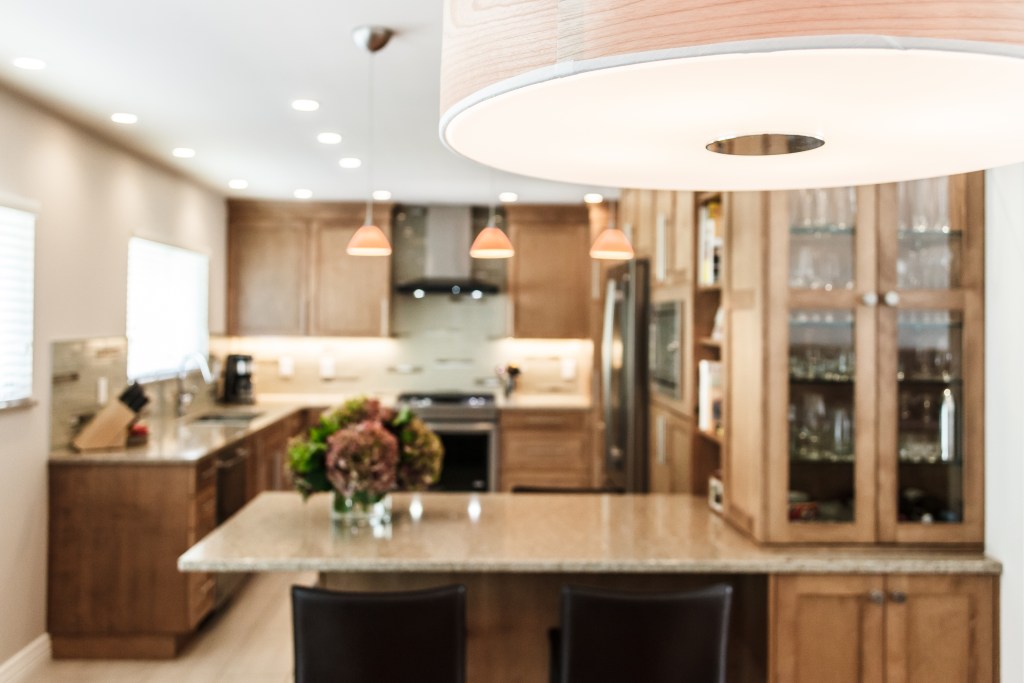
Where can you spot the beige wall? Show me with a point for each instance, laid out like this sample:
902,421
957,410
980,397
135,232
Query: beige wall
92,198
1004,377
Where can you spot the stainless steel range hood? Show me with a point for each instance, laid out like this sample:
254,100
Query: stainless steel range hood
432,252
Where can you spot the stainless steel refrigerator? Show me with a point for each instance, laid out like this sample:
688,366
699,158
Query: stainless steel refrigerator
624,384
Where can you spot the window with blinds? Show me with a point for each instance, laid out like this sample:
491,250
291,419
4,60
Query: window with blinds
17,303
168,291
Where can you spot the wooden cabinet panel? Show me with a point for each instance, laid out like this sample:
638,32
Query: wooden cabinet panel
288,272
545,448
940,628
670,451
894,628
351,293
549,277
115,533
268,271
827,628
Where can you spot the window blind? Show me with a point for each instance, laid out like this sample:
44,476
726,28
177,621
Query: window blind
168,290
17,278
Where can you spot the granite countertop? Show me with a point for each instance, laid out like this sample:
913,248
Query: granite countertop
183,440
501,532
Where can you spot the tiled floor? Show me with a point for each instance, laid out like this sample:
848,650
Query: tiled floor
250,640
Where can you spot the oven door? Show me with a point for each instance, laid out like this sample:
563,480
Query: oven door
470,455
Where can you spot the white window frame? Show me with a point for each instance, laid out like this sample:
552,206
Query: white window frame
167,311
17,303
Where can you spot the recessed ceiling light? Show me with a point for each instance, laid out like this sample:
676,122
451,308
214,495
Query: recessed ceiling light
350,162
593,198
183,152
29,63
508,197
305,105
238,184
124,117
381,195
303,194
329,138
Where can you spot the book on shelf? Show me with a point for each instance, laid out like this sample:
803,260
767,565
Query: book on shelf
710,243
718,328
709,396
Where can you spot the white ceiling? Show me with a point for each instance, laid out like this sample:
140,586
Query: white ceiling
219,76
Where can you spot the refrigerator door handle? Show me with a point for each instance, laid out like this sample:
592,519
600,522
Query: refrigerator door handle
607,333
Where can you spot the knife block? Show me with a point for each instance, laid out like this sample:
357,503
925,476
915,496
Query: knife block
108,429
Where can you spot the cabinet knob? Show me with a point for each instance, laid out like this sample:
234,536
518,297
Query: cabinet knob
877,597
891,298
869,299
899,597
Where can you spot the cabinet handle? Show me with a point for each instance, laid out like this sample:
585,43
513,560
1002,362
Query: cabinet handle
877,597
891,298
869,299
899,597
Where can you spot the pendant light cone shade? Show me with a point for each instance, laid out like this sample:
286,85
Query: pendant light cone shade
612,245
754,95
491,243
369,240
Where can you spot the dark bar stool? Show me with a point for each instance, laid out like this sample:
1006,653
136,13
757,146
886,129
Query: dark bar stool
373,637
650,637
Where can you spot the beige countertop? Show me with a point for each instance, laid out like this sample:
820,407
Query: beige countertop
501,532
182,440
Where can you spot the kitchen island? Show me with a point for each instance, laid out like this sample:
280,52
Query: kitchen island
515,551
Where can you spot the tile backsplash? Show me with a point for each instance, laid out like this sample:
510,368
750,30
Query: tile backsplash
87,373
425,362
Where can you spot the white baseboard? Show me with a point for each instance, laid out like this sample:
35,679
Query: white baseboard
33,655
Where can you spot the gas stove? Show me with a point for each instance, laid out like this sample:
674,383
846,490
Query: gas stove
450,405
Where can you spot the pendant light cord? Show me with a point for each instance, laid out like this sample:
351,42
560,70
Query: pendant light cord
369,159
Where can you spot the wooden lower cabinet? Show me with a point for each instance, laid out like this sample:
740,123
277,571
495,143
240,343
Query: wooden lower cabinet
545,448
893,628
115,534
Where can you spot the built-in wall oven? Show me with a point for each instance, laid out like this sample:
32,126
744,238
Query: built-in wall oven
467,425
665,341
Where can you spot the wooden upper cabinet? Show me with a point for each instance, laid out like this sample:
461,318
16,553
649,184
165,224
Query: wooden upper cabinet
859,417
350,293
268,268
288,272
549,277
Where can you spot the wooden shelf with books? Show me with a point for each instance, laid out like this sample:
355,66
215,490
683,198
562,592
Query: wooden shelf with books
710,211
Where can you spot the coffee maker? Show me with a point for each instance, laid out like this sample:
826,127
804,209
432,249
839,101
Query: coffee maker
238,380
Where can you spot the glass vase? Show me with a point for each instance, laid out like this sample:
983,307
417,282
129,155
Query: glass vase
361,508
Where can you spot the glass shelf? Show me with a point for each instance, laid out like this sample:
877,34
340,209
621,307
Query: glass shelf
822,230
841,381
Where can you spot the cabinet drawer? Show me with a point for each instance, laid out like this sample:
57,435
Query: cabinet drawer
202,515
543,419
201,595
533,452
544,479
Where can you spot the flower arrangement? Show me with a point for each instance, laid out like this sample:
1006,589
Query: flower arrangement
362,451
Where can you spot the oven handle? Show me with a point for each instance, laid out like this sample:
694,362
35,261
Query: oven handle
461,427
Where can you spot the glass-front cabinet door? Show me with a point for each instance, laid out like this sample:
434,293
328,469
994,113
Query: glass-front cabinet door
824,491
930,356
874,319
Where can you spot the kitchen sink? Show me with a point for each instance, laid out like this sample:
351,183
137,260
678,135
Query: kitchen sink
227,417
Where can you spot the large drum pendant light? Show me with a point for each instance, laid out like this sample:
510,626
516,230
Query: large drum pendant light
734,95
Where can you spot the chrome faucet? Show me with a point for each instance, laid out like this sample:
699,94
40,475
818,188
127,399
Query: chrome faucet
185,396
